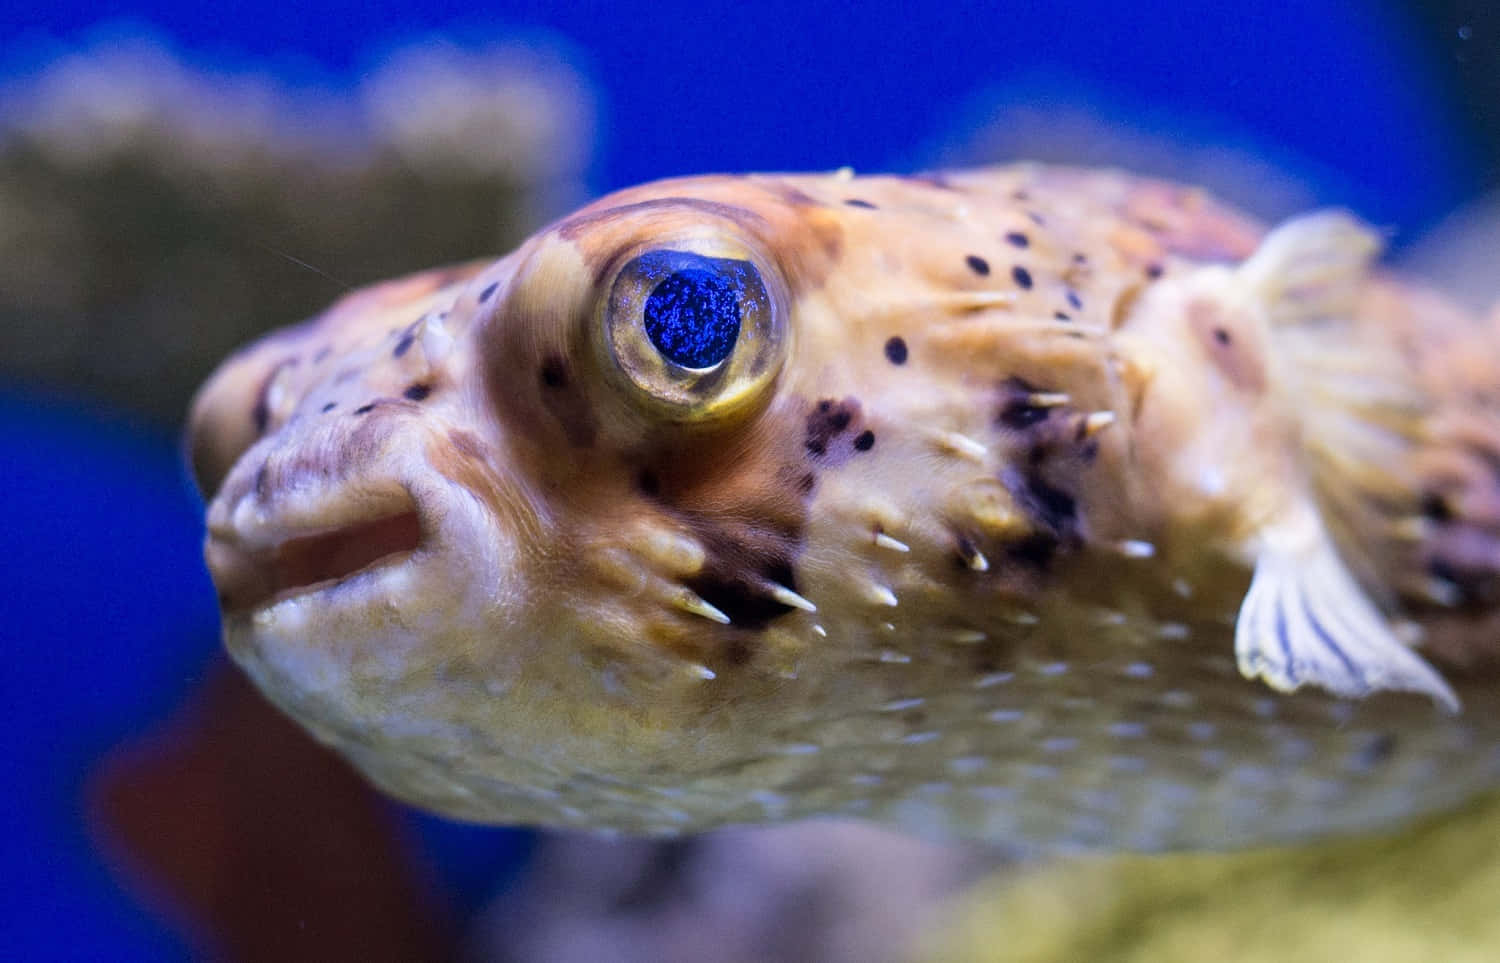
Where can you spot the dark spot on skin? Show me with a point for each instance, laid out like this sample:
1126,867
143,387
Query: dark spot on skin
1443,569
554,373
1055,507
365,409
1020,195
322,354
329,407
1036,218
865,441
732,590
977,264
1021,276
827,421
1062,316
1074,301
1475,583
1018,239
488,292
1154,271
404,345
856,202
648,483
1242,365
1080,258
1377,750
1016,412
416,392
1054,511
1089,451
1035,550
263,481
1018,415
1435,507
895,350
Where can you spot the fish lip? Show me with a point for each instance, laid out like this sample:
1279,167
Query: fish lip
260,565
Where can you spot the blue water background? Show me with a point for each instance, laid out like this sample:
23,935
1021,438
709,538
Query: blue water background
107,615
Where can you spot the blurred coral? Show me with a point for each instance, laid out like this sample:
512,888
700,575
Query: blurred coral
836,892
258,844
153,216
1426,893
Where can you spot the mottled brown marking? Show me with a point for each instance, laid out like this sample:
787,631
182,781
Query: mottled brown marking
829,424
749,512
1187,222
462,456
1120,311
1015,411
794,196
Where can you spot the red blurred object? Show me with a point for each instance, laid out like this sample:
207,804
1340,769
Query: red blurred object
256,843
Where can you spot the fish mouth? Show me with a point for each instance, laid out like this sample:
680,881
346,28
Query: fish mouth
296,562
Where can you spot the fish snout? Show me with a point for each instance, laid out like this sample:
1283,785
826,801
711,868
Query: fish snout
316,506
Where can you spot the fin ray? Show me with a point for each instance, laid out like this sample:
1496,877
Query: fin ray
1305,621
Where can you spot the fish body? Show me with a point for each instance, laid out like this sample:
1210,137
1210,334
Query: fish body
1040,505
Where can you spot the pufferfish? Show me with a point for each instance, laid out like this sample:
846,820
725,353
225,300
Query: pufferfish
1031,504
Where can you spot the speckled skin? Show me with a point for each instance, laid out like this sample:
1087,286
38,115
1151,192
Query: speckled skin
959,597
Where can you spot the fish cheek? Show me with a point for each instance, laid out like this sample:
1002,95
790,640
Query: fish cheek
748,508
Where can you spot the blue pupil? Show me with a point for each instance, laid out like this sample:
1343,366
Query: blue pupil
693,316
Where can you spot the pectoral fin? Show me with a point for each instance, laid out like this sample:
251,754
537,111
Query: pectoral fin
1310,269
1305,621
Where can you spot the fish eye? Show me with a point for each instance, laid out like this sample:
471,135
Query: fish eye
692,315
696,334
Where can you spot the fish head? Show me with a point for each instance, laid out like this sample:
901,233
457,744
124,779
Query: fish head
476,512
596,509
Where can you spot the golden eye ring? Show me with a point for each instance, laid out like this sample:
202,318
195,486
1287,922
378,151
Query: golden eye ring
693,331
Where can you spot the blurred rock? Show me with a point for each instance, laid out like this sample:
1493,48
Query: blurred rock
1424,894
1459,255
827,891
154,215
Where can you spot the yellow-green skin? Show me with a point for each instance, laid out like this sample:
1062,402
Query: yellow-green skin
988,591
